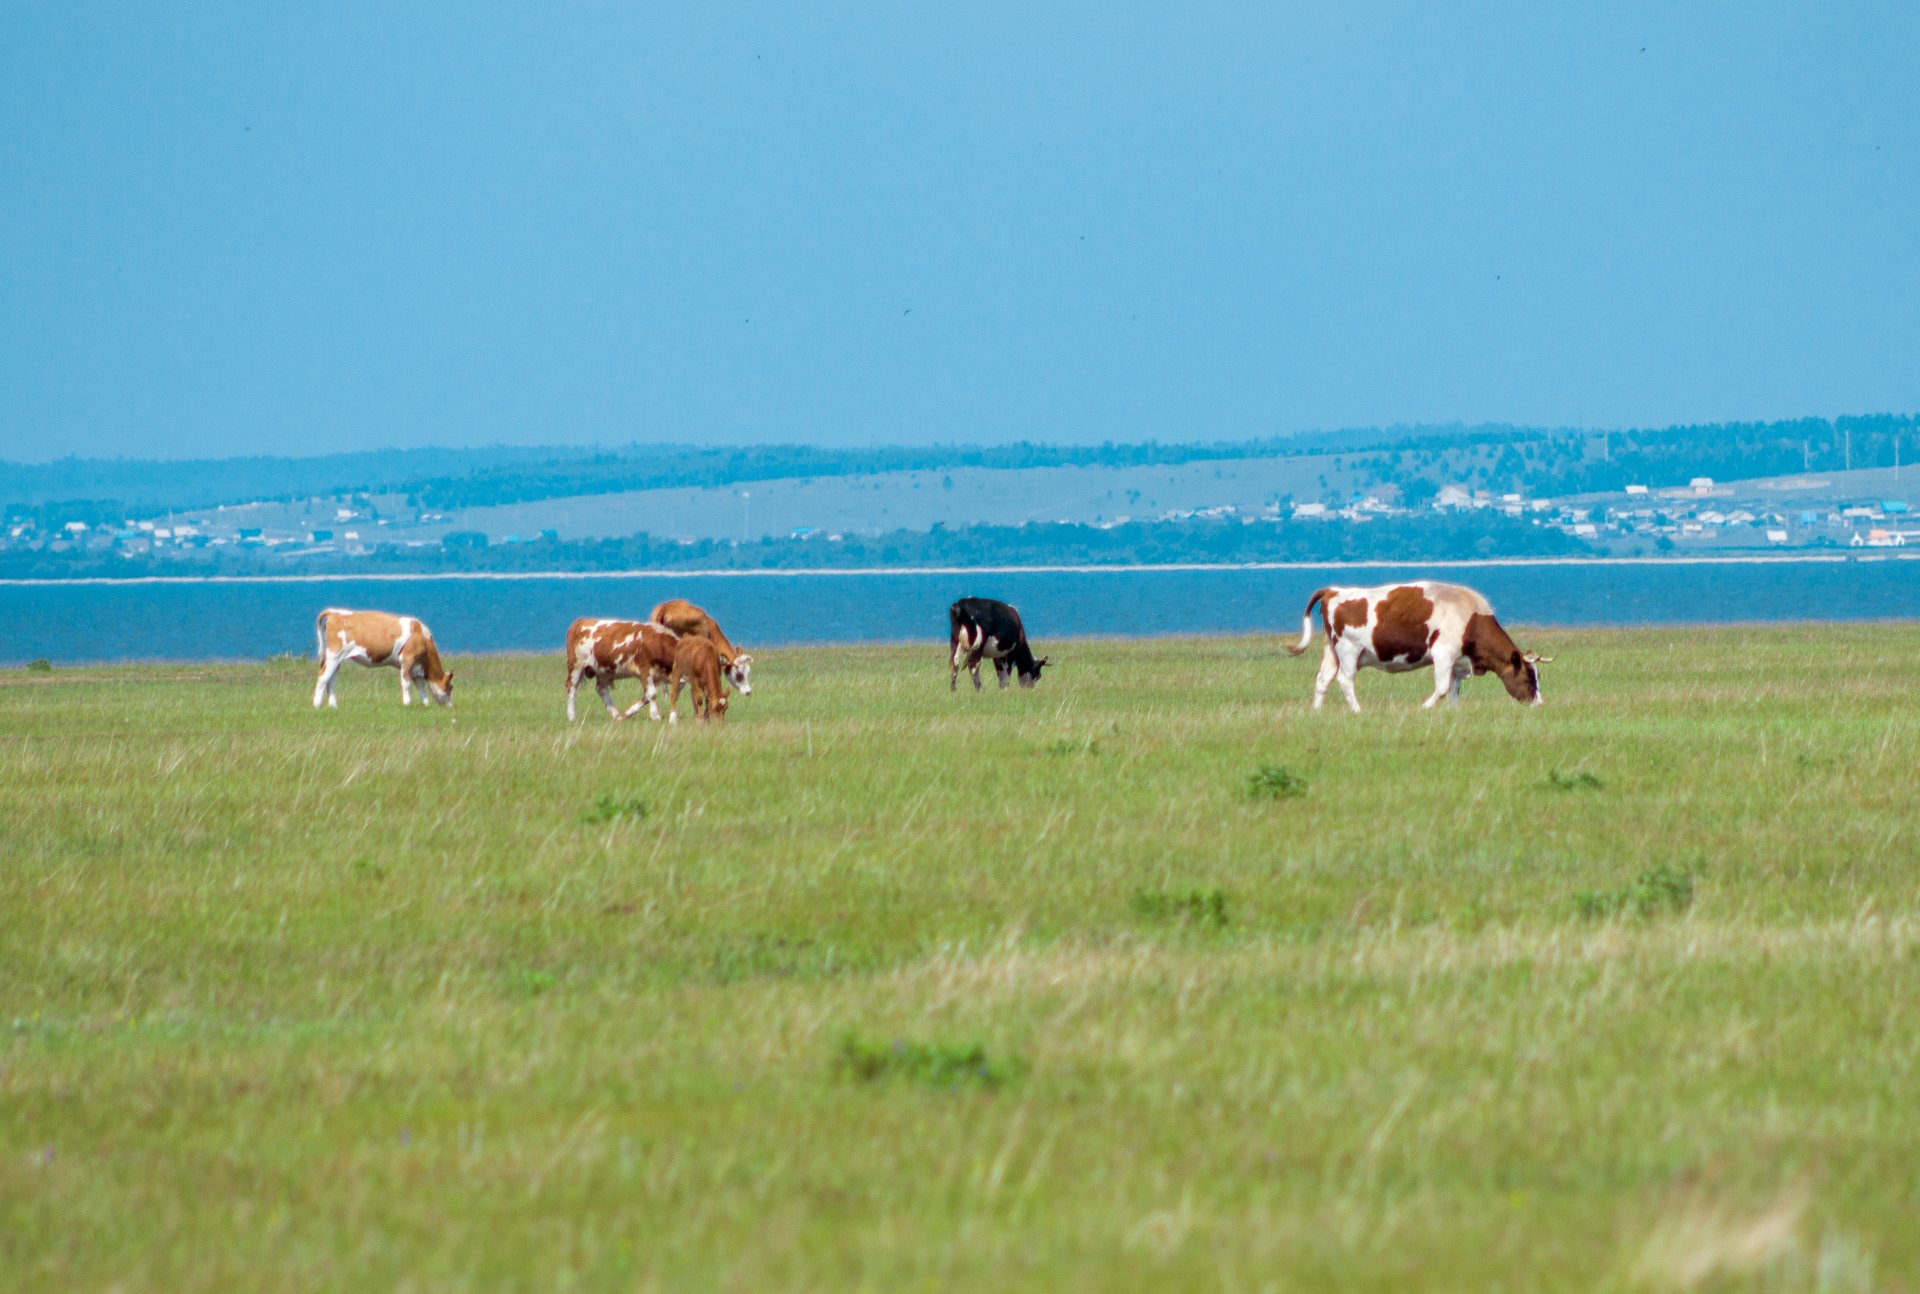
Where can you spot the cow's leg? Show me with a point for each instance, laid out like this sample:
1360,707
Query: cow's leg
573,685
648,701
1329,666
1002,668
323,688
406,687
1349,666
1442,679
957,655
673,700
1461,673
604,686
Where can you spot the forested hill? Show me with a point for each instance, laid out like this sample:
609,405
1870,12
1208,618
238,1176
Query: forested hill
1540,459
148,485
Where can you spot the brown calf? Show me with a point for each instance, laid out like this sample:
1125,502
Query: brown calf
379,638
605,650
696,663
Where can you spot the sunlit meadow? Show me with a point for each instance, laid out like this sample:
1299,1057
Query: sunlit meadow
1150,977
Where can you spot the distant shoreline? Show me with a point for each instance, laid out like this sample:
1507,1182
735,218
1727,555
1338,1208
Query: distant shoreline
819,572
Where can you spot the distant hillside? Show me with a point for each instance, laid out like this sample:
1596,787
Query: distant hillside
1412,460
150,485
1563,463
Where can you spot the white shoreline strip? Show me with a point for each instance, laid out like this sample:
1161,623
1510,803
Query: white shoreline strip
818,572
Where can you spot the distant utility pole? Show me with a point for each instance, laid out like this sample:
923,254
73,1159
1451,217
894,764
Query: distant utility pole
744,496
1848,433
1806,455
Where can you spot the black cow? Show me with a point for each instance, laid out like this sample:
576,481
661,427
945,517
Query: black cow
982,627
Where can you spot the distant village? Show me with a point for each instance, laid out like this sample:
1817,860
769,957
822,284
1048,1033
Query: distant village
1701,513
1701,516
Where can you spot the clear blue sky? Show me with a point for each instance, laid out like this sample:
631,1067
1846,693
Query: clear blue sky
243,228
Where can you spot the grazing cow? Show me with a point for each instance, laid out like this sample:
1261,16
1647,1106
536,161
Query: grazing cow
605,650
978,627
690,621
1400,627
696,663
378,638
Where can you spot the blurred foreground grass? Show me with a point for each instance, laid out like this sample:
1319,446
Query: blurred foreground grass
1150,977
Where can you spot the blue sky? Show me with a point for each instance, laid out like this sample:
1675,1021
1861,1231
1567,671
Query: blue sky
246,228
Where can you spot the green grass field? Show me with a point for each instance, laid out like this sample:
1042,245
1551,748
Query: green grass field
1148,978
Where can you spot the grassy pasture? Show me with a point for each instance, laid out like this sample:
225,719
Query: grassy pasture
1148,978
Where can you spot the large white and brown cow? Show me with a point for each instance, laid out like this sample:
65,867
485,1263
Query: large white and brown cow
1418,625
605,650
379,638
689,621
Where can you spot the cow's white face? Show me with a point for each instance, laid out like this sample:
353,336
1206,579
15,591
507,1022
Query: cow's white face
443,690
739,672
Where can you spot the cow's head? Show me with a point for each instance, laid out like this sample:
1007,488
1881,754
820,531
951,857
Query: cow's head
738,671
1486,645
442,690
1029,679
1522,676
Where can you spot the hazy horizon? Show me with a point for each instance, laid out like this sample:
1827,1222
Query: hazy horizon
242,231
564,447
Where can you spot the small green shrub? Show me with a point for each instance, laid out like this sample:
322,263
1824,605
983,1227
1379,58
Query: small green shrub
41,666
612,809
1578,780
936,1064
368,870
1194,907
1652,892
530,982
1272,782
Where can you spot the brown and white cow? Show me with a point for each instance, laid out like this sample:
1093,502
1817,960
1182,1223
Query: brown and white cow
605,650
696,664
689,621
1400,627
379,638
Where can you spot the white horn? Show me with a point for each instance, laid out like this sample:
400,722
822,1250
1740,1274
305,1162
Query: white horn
1537,658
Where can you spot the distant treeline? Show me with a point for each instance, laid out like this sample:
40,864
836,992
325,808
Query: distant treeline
123,487
680,467
1563,463
1536,459
1415,460
1398,539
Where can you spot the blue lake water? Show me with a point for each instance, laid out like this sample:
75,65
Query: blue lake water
77,623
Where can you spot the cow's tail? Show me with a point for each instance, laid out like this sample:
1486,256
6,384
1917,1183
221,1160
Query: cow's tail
320,634
1306,622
